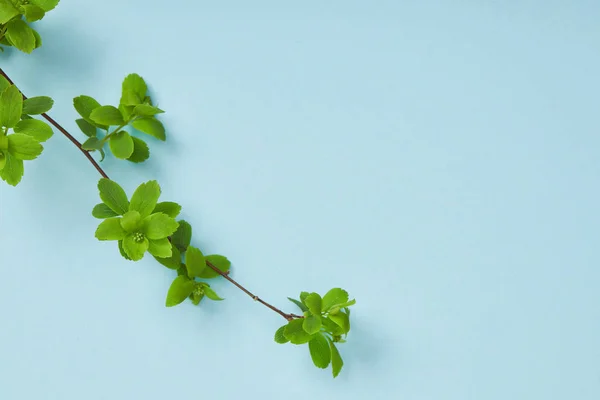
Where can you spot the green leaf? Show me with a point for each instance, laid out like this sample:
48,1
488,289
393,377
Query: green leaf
180,289
303,296
45,5
84,106
146,110
2,160
159,226
110,229
4,83
7,11
195,262
87,128
196,298
20,35
182,271
173,261
134,249
11,106
279,336
33,13
12,171
102,211
295,333
123,254
312,324
126,111
342,320
299,304
160,248
183,236
211,294
332,327
151,126
39,130
320,351
168,207
92,144
131,221
221,262
113,196
121,145
334,297
313,302
336,360
107,115
38,38
37,105
140,151
24,147
133,90
144,198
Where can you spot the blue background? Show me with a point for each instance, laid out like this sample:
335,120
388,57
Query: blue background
437,159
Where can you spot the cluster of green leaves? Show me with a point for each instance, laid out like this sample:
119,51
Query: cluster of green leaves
143,224
24,143
326,322
14,17
135,110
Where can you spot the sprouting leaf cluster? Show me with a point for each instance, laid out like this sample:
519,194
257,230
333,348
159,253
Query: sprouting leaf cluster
143,225
106,124
24,142
14,18
326,322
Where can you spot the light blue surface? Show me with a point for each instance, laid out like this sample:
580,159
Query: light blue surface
439,160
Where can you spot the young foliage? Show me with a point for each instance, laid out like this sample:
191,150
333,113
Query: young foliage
135,110
326,319
14,18
24,142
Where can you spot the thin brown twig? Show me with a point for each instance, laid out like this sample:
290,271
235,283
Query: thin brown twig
225,275
64,132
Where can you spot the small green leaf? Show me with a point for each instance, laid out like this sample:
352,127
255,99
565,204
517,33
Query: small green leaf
123,254
11,106
299,304
313,302
221,262
92,144
334,297
131,221
133,248
33,13
24,147
145,197
332,327
160,248
84,106
37,105
180,289
140,151
295,333
7,11
211,294
20,35
312,324
168,207
151,126
195,262
39,130
113,196
133,90
320,351
126,111
146,110
38,38
12,171
303,296
182,271
173,261
279,336
342,320
159,226
87,128
107,115
121,145
102,211
46,5
183,236
110,229
336,360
